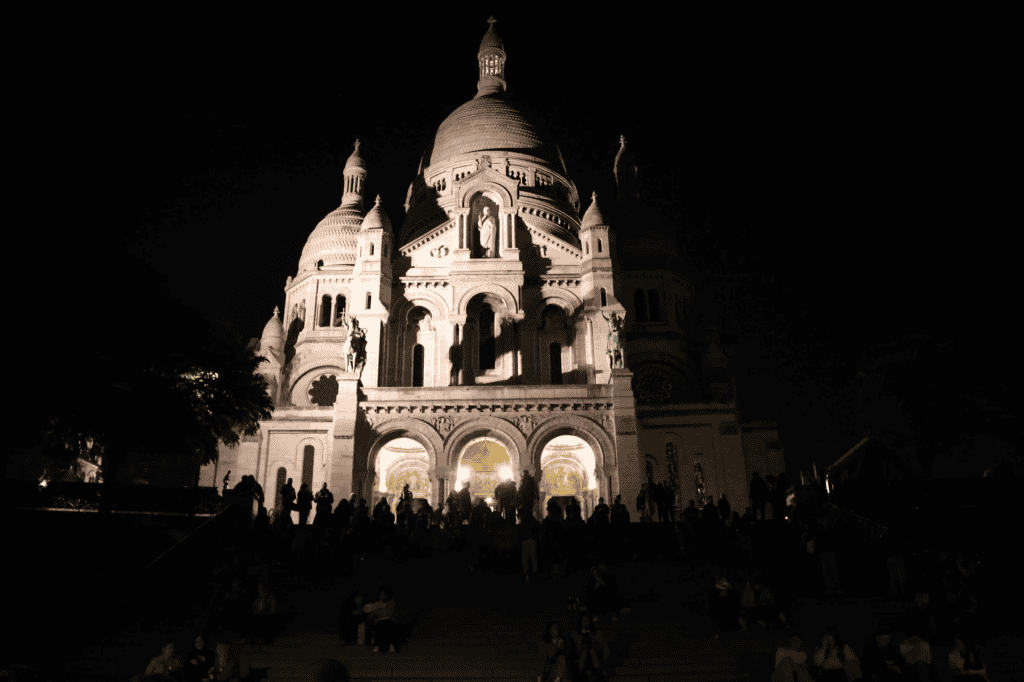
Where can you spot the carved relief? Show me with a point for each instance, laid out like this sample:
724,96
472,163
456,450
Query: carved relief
440,251
444,424
525,423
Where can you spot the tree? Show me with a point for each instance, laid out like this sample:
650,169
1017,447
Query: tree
159,381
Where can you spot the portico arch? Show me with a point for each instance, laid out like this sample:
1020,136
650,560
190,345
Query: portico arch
507,302
586,430
406,427
481,426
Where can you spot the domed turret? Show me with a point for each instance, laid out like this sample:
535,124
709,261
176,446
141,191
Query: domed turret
626,175
492,63
376,218
272,341
334,240
593,217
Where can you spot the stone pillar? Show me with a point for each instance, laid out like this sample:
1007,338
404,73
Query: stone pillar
440,474
627,449
342,441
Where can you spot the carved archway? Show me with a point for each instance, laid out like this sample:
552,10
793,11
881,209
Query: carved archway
571,425
384,433
500,293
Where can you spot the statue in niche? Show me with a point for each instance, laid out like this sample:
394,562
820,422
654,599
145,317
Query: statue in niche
355,356
487,226
616,356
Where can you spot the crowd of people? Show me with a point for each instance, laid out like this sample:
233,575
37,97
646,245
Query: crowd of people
788,543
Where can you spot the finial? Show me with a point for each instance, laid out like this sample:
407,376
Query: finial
377,202
593,196
622,140
276,311
492,21
357,144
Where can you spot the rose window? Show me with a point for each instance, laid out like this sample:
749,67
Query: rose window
324,391
652,387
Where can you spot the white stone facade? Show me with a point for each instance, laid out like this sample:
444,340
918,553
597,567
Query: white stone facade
501,341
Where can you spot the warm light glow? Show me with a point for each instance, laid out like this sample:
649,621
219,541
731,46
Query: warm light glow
488,500
827,487
382,487
506,473
43,483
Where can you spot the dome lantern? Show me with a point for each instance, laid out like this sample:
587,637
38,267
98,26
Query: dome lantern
491,58
355,176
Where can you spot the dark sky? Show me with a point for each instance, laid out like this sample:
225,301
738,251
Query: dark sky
839,159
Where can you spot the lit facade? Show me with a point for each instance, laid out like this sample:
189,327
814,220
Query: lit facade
486,316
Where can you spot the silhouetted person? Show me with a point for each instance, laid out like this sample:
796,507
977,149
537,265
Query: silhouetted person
620,514
342,515
304,503
881,659
601,513
349,618
464,499
603,592
257,490
758,494
198,662
724,508
506,495
287,496
528,494
324,506
227,478
529,530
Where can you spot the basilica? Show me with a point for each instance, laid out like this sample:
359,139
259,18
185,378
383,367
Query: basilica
496,330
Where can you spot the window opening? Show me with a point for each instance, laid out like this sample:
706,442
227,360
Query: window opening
555,355
307,466
417,365
639,305
325,311
604,298
655,305
487,348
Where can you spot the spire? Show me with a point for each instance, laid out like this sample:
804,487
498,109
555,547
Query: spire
491,59
626,177
355,176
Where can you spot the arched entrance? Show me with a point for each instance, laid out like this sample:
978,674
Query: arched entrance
484,462
568,470
400,461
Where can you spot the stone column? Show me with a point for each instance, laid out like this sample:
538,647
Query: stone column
627,449
341,443
461,351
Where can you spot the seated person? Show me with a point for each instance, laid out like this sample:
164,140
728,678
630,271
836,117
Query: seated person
163,667
965,660
328,670
834,660
791,662
602,592
198,662
917,656
225,666
349,618
591,649
757,603
553,663
724,604
382,615
881,659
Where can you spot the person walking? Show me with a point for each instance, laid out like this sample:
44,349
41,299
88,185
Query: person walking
304,503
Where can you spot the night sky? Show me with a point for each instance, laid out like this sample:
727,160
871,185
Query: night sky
836,168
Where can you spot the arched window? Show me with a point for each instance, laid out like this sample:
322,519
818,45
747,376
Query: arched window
639,306
604,298
654,304
307,466
339,310
599,246
384,250
369,300
325,311
555,356
487,348
586,247
417,365
371,248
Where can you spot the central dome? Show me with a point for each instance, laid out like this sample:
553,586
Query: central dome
491,124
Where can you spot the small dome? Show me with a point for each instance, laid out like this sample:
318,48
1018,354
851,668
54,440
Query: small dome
355,160
376,218
334,239
274,328
491,41
593,216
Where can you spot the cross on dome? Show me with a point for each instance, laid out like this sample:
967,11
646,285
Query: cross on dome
377,202
491,21
277,312
622,140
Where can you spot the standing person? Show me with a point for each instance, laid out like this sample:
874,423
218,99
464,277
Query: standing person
601,512
619,512
324,505
287,497
528,495
758,495
724,508
304,503
529,529
257,491
465,503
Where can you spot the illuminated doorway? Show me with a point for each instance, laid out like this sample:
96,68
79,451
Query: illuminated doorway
568,469
485,463
401,461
